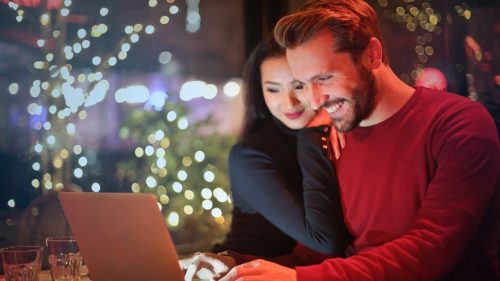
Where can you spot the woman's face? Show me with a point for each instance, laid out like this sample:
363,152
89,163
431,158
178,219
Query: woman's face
280,96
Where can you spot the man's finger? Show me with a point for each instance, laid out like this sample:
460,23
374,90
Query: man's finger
246,270
341,139
232,275
250,268
190,272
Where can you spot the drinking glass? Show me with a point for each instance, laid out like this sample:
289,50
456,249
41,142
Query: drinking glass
64,258
21,263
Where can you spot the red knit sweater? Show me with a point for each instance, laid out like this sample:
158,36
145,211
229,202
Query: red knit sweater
420,194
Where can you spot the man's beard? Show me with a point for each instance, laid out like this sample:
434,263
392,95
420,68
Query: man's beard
363,101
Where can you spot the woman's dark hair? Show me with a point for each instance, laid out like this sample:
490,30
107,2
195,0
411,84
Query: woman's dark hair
256,111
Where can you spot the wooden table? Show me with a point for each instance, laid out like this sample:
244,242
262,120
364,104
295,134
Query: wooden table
45,276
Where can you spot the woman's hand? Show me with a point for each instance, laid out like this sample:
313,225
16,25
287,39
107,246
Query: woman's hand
206,266
337,139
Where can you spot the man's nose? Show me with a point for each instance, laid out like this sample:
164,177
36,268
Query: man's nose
317,97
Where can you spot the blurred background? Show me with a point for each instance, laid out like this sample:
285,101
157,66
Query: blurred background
145,96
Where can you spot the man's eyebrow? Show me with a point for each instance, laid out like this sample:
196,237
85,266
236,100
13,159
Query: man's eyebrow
320,74
316,76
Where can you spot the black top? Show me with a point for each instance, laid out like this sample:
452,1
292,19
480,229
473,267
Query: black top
284,190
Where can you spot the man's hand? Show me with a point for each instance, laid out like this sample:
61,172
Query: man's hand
337,139
206,266
260,270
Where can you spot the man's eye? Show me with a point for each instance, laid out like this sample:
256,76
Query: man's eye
298,86
324,78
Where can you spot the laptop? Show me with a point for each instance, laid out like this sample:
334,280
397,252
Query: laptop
122,236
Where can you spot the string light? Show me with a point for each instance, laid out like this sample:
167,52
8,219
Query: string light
69,90
417,18
13,88
193,18
96,187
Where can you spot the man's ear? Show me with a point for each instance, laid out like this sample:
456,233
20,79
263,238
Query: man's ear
372,55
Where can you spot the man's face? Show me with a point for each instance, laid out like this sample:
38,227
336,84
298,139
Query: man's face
333,81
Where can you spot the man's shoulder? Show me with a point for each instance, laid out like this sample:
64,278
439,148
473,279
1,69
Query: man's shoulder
446,100
445,105
451,115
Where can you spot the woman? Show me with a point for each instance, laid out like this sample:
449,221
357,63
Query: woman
284,187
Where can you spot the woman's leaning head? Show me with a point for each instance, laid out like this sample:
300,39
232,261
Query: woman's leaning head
269,89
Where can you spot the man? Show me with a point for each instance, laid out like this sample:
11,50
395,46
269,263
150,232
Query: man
419,176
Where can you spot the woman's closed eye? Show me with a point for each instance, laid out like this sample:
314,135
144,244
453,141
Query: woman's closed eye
272,90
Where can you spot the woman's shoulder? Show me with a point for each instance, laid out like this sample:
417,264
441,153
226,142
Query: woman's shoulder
267,141
269,132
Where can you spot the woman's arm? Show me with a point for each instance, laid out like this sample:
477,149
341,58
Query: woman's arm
316,220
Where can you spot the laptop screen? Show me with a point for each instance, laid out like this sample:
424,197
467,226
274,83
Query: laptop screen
122,236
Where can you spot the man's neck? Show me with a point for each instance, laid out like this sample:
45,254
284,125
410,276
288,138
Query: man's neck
392,94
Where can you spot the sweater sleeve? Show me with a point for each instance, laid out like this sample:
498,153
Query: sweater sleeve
300,256
467,155
309,220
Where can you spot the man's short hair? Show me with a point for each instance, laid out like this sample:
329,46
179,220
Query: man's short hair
352,24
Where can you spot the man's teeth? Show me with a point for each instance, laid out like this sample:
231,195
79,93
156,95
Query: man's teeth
333,107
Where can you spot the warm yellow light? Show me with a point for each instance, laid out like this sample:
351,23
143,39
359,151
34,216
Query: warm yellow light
164,19
139,152
188,210
164,199
189,194
165,143
77,149
219,220
137,27
44,19
414,11
35,183
467,14
151,139
136,187
187,161
429,50
400,11
152,3
82,115
161,190
162,172
64,153
57,163
433,19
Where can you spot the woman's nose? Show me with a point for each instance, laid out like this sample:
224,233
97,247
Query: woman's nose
291,100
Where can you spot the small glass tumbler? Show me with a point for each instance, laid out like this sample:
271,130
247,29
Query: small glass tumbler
21,263
64,258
